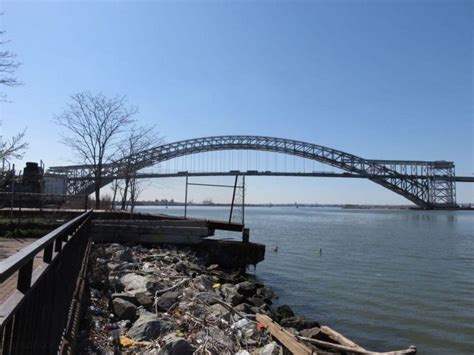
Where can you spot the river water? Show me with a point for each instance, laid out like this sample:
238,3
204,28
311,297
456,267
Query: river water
386,279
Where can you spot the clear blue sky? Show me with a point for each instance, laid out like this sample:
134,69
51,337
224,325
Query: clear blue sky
379,79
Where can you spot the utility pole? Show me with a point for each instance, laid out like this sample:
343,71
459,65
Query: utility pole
233,199
243,200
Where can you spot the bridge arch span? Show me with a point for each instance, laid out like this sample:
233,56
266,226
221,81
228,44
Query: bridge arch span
415,189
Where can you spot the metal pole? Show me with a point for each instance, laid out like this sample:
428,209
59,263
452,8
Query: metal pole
186,198
13,193
243,200
19,211
233,198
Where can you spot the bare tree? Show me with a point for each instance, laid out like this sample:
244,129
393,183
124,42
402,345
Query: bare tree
137,140
8,66
116,190
93,123
137,186
13,148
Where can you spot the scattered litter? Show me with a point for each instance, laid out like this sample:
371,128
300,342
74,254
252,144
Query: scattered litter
126,342
166,300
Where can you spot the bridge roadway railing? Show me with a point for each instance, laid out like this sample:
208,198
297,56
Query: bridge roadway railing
41,316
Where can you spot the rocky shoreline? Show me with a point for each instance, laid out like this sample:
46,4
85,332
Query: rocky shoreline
167,300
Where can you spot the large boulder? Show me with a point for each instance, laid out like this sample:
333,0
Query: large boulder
231,295
166,300
270,349
124,255
180,266
207,297
152,285
265,292
218,311
299,323
148,327
256,301
134,282
126,296
175,345
246,288
144,298
244,308
281,312
124,309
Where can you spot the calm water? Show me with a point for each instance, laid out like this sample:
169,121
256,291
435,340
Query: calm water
386,279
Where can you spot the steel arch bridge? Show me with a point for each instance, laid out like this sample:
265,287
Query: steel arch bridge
428,184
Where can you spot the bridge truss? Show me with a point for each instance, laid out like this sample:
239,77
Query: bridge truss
428,184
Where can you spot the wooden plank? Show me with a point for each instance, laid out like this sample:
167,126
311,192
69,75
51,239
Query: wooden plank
283,336
339,338
324,344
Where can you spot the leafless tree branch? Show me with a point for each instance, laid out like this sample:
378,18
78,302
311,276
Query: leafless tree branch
93,124
13,148
8,66
137,140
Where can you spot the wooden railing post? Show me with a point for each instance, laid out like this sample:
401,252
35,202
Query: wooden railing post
48,253
24,277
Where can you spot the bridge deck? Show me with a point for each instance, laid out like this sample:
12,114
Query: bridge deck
152,175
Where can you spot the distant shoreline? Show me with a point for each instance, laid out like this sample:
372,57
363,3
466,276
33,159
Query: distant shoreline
306,205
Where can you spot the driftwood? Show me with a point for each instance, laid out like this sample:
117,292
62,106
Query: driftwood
293,344
339,338
283,336
327,345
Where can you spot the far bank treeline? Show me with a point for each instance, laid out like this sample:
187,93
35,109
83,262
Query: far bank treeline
208,203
